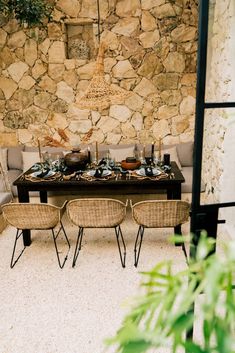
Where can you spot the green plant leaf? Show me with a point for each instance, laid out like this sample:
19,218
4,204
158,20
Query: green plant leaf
163,314
193,347
136,347
182,323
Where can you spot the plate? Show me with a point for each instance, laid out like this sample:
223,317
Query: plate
141,172
104,174
48,175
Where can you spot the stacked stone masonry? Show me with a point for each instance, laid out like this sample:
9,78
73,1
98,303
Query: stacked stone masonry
151,53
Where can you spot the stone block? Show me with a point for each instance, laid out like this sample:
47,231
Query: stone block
17,70
123,69
30,52
56,52
16,40
8,86
65,92
128,26
149,39
69,7
126,8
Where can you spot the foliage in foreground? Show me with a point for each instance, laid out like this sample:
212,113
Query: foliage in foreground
161,316
31,12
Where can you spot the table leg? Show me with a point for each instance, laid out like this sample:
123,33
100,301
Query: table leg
23,196
176,193
43,196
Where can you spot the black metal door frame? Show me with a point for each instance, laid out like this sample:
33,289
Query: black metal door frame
203,216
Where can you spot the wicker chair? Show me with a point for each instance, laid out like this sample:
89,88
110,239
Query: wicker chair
97,213
158,214
35,216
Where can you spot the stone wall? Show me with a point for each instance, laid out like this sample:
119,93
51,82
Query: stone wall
151,52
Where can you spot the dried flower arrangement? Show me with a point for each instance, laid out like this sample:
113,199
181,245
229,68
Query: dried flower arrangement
64,142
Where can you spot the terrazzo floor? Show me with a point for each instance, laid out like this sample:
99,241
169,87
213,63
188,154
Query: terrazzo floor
48,310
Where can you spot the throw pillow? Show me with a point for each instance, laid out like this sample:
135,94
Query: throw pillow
173,155
14,157
3,158
29,159
120,154
185,153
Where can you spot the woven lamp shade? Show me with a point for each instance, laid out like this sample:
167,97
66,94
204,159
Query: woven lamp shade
100,94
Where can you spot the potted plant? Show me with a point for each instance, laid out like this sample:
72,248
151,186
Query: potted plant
163,315
29,12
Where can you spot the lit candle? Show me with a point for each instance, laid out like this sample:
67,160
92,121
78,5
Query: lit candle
89,154
96,152
152,150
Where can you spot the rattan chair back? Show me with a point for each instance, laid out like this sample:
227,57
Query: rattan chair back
35,216
161,213
31,215
96,212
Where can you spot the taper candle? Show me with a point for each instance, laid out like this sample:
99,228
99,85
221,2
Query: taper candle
144,151
39,151
89,154
152,150
96,151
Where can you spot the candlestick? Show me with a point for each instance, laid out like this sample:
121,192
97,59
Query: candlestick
39,151
160,148
96,152
144,151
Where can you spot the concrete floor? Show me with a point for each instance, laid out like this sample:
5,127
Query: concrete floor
48,310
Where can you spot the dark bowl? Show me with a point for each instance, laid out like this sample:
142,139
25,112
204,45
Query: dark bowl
130,159
76,160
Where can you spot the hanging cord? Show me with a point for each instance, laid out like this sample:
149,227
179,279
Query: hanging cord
98,19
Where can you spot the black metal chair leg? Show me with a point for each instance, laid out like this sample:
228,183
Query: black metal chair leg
137,253
185,252
177,230
19,233
118,232
78,245
55,235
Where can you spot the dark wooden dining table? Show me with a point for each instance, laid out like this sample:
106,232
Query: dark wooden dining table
123,185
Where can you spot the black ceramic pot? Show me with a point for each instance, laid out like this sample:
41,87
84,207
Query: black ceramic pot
76,159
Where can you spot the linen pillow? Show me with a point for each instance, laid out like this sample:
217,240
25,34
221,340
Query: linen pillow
14,157
3,158
29,159
185,153
173,155
120,154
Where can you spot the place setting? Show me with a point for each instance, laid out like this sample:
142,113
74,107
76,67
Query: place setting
43,174
149,172
98,174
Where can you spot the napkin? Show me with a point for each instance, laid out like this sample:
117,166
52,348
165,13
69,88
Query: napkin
43,173
148,171
98,173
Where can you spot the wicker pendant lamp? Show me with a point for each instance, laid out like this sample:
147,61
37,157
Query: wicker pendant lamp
100,94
